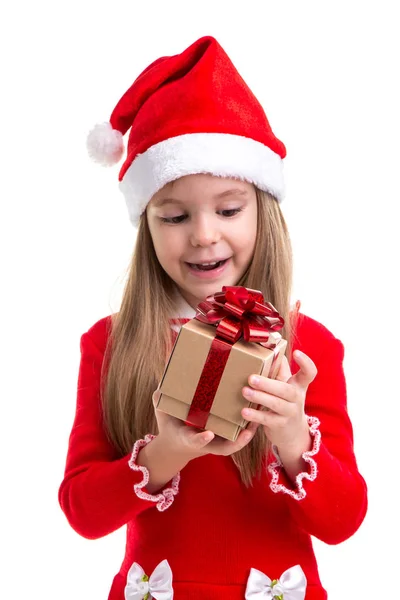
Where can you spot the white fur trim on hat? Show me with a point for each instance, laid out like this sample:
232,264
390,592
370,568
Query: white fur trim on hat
219,154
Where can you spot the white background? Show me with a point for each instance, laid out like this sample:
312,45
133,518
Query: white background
327,75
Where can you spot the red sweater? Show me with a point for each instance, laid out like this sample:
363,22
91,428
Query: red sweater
216,529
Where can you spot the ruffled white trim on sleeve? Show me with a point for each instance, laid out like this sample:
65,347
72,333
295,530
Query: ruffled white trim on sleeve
275,467
165,498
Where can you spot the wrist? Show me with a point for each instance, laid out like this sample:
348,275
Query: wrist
296,447
155,475
160,450
160,464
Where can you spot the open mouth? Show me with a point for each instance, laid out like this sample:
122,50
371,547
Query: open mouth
207,266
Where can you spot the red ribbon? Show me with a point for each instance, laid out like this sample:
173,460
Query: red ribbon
236,312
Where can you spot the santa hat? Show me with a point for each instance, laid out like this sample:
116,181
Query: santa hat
189,113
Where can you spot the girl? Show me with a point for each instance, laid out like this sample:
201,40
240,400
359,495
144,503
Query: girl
207,518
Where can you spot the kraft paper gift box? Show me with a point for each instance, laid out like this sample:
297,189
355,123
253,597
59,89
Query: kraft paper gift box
203,379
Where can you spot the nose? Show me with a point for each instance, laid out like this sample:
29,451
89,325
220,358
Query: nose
204,231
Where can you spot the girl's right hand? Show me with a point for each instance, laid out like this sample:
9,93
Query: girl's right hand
181,439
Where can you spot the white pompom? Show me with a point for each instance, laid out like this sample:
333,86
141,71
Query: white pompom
105,144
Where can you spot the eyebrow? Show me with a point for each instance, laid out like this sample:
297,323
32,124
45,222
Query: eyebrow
231,192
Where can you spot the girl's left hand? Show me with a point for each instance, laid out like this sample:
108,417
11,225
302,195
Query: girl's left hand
284,420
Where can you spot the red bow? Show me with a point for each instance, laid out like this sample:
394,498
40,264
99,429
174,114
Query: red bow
240,311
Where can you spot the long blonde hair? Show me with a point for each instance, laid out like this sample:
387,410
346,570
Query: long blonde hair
141,339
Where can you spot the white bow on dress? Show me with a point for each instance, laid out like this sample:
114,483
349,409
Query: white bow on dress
291,585
158,585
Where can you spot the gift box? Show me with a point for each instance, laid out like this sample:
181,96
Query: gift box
234,334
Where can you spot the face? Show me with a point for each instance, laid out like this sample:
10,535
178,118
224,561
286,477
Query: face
201,219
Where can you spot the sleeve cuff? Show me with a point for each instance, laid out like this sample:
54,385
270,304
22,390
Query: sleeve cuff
280,481
163,499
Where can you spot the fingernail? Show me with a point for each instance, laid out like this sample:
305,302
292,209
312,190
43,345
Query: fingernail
248,392
254,379
246,412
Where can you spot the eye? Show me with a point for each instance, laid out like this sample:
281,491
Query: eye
173,220
229,212
232,212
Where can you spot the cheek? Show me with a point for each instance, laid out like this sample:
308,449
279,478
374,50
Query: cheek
246,236
157,235
166,246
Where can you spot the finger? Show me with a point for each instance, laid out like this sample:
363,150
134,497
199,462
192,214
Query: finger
307,372
252,427
268,401
280,389
226,447
259,417
200,440
156,397
250,430
245,436
284,373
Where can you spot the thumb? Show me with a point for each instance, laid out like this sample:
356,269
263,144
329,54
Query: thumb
307,371
284,373
198,441
156,397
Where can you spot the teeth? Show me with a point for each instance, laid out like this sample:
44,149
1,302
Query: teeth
207,264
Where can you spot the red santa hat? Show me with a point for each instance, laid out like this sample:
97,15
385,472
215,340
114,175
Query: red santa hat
189,113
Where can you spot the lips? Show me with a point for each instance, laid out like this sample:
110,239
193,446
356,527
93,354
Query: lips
207,261
208,271
207,265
